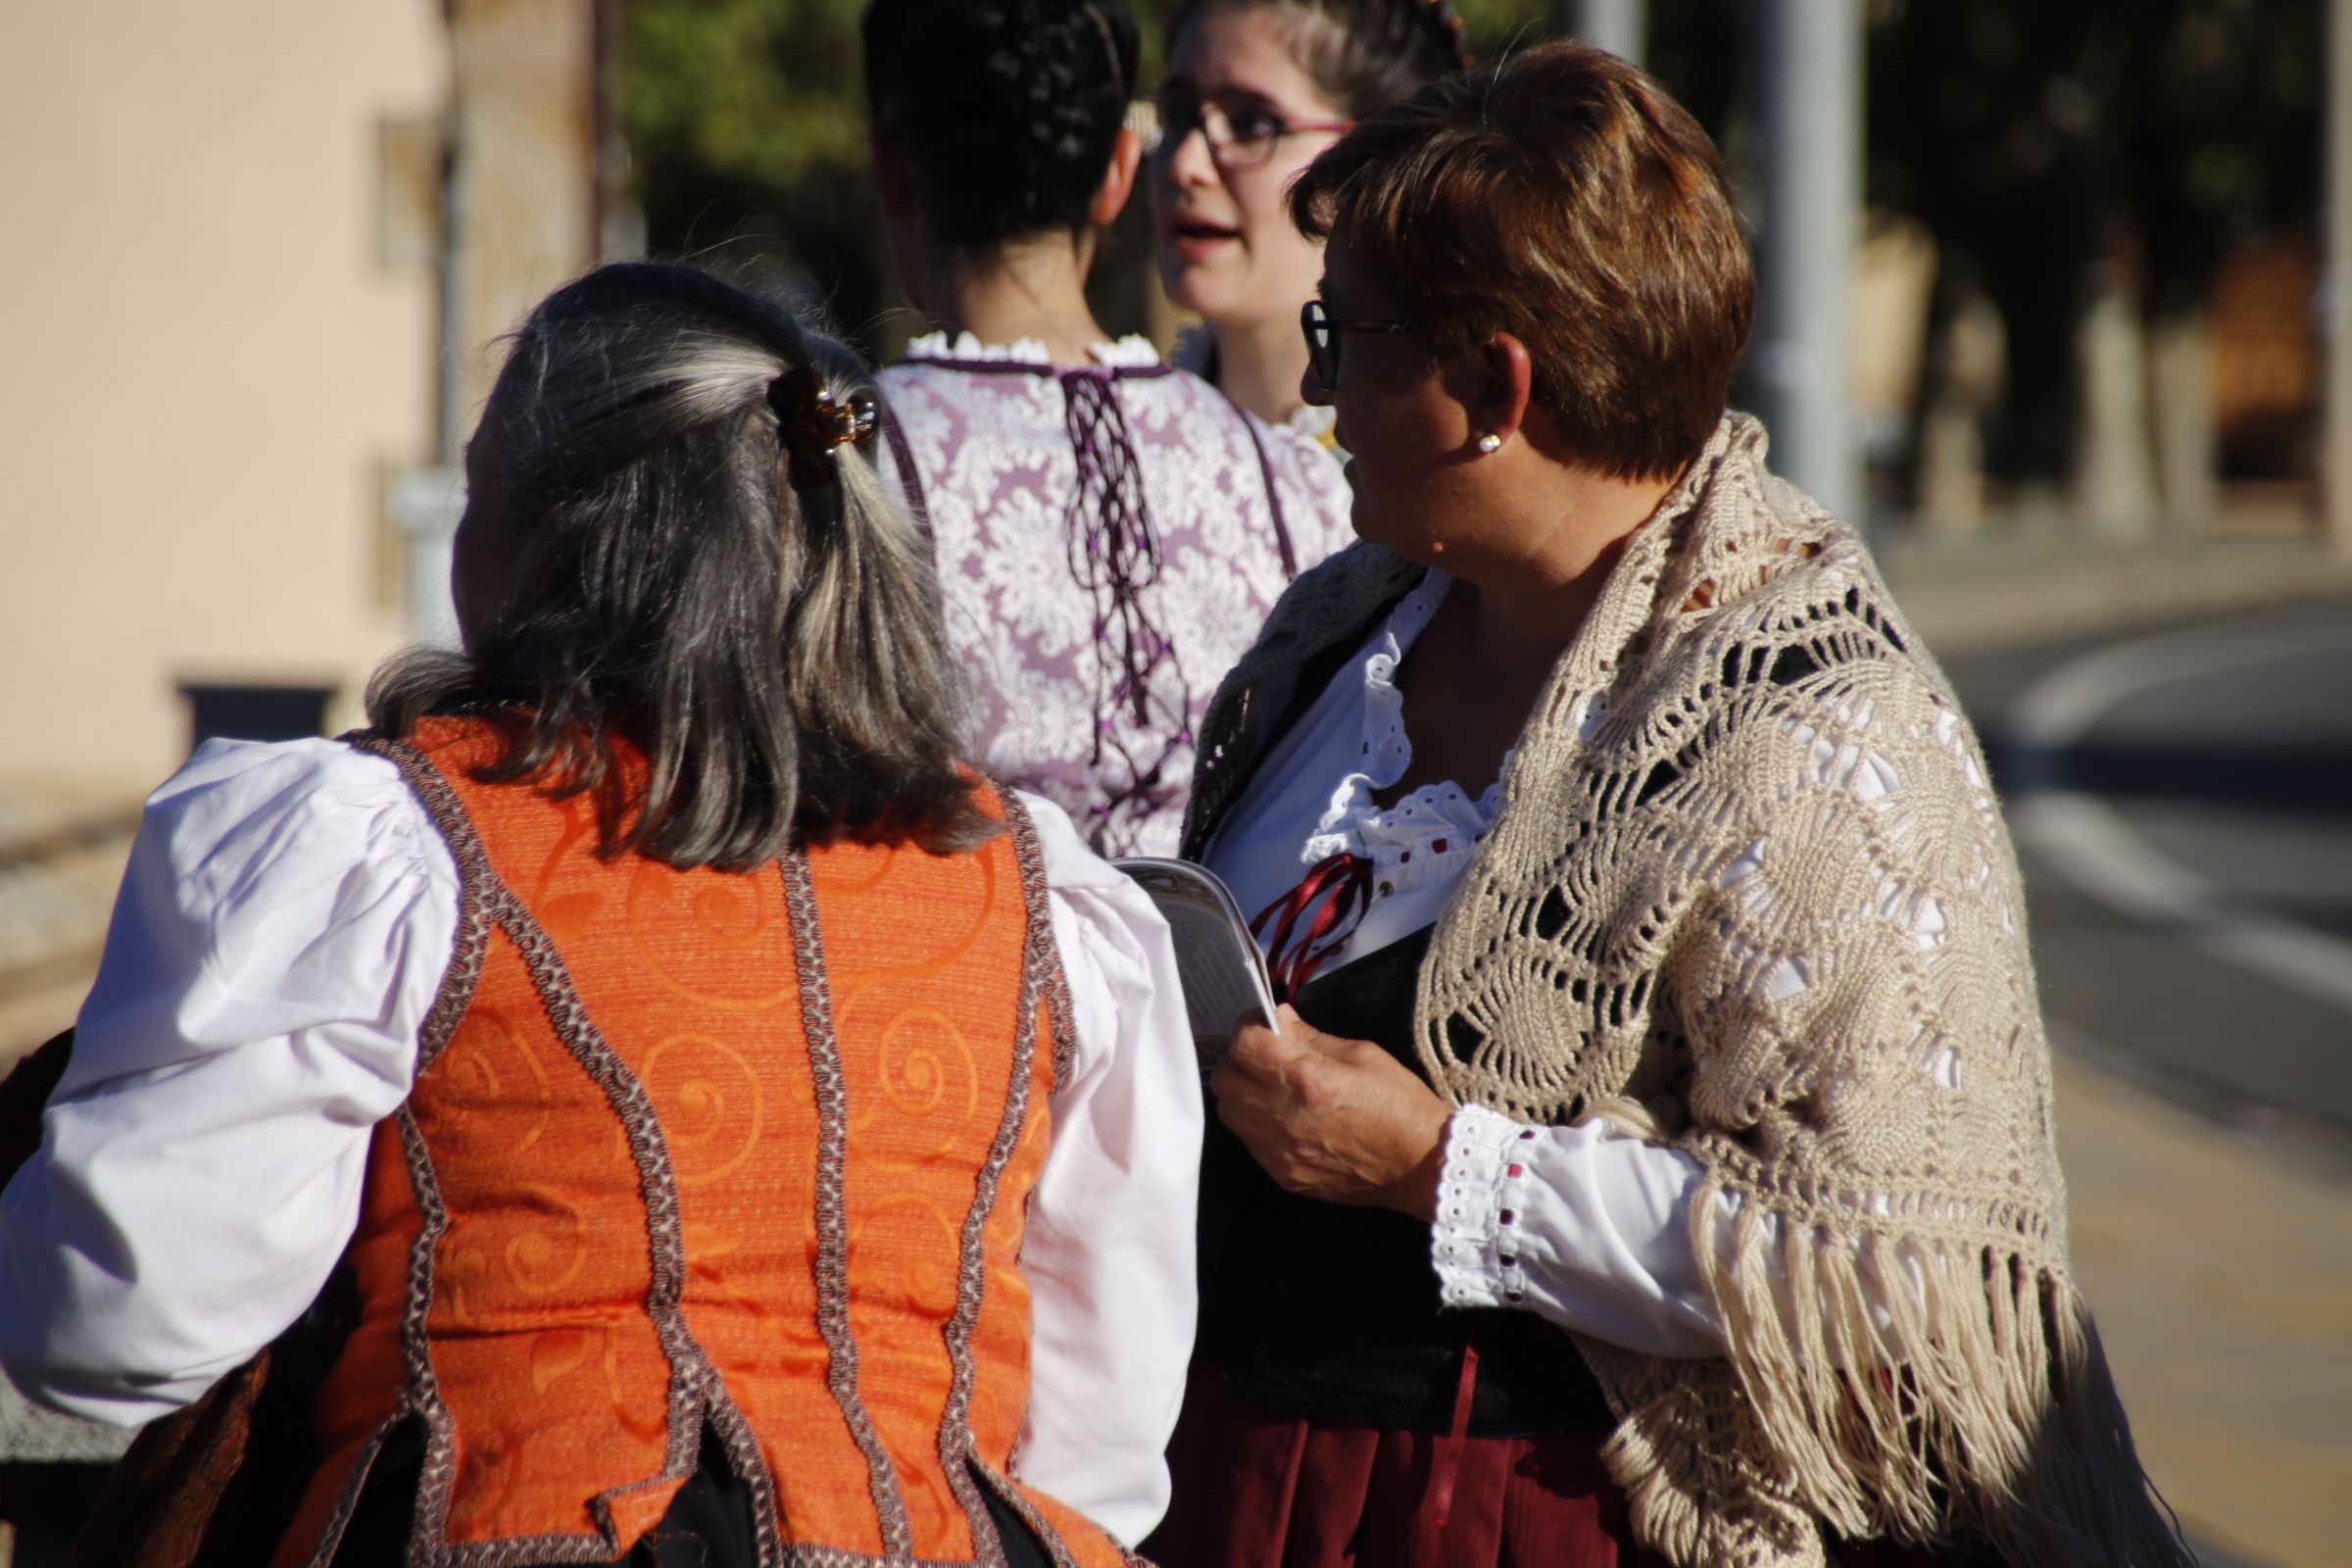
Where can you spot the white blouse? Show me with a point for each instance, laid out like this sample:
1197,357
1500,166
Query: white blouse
1585,1224
283,927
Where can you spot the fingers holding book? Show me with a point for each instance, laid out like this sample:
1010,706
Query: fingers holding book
1331,1119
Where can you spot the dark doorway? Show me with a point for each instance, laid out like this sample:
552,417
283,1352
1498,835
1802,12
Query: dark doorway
253,712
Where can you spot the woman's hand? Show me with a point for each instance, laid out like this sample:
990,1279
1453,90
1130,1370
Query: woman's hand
1341,1120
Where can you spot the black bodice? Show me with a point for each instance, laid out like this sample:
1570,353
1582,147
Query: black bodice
1330,1310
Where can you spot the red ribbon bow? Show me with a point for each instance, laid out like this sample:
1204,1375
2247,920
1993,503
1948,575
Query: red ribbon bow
1342,884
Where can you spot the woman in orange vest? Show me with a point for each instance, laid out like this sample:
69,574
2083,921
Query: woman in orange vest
694,1117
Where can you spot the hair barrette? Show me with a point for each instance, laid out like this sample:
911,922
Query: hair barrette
814,423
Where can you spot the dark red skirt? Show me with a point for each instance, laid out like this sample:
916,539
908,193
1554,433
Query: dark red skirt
1257,1490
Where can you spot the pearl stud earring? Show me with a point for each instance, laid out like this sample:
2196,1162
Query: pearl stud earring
1489,444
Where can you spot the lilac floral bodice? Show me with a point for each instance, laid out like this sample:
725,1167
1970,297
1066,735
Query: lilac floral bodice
1109,537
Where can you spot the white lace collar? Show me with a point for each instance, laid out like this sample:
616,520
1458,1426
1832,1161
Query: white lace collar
1315,422
1427,835
1130,353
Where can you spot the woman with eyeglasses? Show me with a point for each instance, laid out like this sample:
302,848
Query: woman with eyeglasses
1111,531
1652,1161
1254,89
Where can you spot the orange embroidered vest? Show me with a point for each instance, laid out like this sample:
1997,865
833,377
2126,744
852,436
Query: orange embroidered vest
687,1150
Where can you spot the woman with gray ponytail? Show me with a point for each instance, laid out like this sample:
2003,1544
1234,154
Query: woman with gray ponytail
662,1102
630,555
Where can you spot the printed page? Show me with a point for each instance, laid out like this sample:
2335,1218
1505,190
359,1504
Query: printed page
1224,976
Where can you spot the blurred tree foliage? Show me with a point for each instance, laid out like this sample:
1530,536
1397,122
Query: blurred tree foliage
762,90
2225,133
2044,144
745,128
746,124
762,93
2035,139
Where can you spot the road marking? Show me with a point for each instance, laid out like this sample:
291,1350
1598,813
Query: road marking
2092,847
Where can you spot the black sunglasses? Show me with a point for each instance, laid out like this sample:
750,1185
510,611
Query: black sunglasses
1323,332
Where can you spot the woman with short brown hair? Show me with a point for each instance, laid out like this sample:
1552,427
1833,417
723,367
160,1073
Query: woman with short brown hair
1655,1161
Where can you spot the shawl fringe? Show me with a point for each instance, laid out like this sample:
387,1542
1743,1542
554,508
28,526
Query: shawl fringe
1976,1405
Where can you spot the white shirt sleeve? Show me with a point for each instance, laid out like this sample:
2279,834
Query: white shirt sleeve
1110,1252
1591,1226
1583,1224
283,926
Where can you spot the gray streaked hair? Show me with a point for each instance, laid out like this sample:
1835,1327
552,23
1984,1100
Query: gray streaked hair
769,640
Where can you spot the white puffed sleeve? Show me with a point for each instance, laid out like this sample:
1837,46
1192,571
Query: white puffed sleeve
1108,1252
283,926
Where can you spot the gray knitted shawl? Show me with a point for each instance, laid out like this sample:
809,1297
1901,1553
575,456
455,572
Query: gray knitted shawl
1763,908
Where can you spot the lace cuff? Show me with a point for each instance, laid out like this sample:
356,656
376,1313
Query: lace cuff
1474,1244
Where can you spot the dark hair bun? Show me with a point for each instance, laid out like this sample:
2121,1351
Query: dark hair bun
1008,107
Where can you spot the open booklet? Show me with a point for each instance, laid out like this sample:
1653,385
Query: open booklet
1224,976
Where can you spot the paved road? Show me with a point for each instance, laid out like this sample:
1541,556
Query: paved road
2183,801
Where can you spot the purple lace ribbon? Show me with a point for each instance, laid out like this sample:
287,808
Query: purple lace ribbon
1114,554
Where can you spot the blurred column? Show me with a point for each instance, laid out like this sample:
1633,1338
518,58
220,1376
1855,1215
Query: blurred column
426,504
1808,97
1621,26
2336,287
522,204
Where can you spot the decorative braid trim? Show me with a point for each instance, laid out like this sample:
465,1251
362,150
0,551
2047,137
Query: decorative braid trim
474,878
516,1552
832,1205
1041,973
437,1480
338,1520
690,1369
422,1399
696,1391
1060,1010
805,1555
1037,896
1038,1524
743,1452
487,901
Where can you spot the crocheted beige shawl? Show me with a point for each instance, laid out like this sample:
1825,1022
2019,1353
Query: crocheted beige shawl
1751,892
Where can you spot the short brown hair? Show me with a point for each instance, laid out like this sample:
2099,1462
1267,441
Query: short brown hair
1565,198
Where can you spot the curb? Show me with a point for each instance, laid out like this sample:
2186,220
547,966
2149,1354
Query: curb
1975,595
